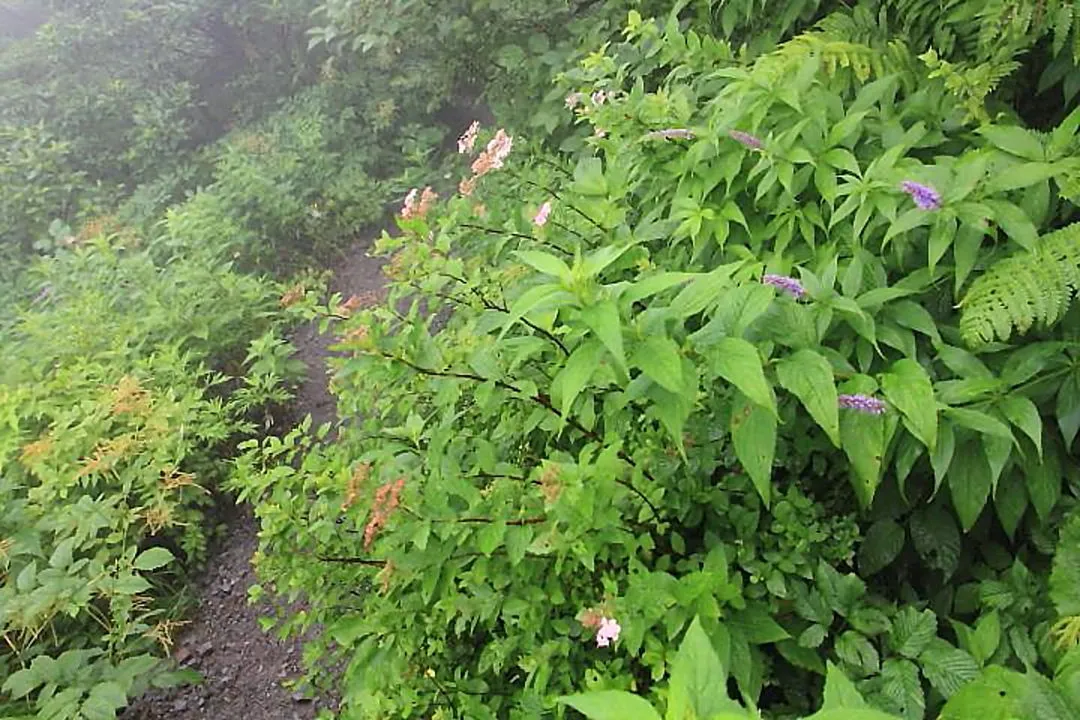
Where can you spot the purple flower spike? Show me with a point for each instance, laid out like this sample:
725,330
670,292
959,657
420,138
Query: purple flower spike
746,139
926,197
787,284
862,403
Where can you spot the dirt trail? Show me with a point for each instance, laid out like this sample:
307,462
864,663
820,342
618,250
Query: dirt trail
245,669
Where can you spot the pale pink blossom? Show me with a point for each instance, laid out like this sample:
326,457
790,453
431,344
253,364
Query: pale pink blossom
608,632
600,97
467,141
493,156
574,99
600,133
541,217
417,204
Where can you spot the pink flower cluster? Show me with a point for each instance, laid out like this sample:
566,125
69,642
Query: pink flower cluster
387,498
492,157
608,632
418,204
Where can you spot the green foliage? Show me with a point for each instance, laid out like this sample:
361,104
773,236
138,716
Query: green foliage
114,426
655,366
1027,289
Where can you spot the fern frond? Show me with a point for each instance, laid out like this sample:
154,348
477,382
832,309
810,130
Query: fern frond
1024,289
844,44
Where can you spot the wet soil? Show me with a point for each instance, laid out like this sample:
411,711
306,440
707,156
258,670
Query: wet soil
248,673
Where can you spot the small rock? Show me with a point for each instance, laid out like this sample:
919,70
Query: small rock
299,697
204,649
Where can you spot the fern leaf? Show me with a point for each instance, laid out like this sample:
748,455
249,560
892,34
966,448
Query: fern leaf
1023,290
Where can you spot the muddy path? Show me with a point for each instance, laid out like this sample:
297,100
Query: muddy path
247,672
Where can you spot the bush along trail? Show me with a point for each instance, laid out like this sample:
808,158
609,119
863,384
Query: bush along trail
727,370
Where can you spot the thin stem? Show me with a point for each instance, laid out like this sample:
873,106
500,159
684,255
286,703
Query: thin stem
545,402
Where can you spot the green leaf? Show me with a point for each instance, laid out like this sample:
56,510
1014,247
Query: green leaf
490,537
589,177
910,220
901,686
598,260
756,626
936,539
1067,408
21,683
575,375
702,292
986,637
739,362
1022,413
698,686
808,376
857,651
753,433
153,558
1014,140
518,540
908,388
545,263
103,701
1044,483
881,545
603,319
1015,223
947,668
130,585
1010,501
610,705
1020,176
658,357
997,694
1065,576
912,631
863,440
969,482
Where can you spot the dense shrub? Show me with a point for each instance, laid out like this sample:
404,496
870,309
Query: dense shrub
711,359
123,386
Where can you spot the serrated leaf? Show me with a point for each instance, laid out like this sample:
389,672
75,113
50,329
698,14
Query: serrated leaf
947,668
912,631
756,626
901,685
859,652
